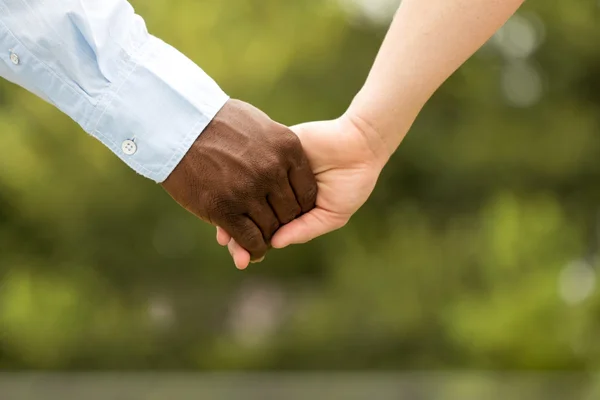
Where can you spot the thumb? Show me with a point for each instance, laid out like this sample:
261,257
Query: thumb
307,227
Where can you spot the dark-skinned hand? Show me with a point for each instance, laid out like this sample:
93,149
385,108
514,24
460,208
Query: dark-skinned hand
246,174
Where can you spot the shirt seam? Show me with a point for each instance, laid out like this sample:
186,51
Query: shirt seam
112,94
128,63
59,42
112,91
109,93
105,102
40,61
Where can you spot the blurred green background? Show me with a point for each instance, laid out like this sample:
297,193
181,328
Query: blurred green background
478,249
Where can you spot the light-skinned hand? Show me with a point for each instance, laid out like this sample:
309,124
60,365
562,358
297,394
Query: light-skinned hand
346,158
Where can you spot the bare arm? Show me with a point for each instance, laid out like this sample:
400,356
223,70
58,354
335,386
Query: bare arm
427,42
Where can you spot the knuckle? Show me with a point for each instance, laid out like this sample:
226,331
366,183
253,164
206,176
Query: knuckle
309,196
272,166
292,214
271,171
288,218
277,180
273,226
240,192
221,206
289,143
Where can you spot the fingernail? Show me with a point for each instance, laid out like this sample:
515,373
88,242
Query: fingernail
258,261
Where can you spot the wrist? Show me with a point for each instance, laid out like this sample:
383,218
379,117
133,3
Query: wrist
375,138
383,128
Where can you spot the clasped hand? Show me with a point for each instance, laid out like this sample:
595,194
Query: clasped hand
246,174
346,158
264,185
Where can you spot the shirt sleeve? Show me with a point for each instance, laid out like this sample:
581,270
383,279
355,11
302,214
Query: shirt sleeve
96,62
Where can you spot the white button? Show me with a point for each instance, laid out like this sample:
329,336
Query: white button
129,147
14,58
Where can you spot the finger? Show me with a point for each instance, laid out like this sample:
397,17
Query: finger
246,234
284,204
307,227
264,217
241,258
223,237
304,185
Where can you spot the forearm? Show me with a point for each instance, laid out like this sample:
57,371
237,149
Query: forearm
427,42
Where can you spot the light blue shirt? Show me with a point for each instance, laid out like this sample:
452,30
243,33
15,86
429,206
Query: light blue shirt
96,62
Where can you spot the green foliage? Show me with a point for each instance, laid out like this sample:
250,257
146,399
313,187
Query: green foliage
460,259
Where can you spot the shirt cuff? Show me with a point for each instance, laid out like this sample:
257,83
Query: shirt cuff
156,109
